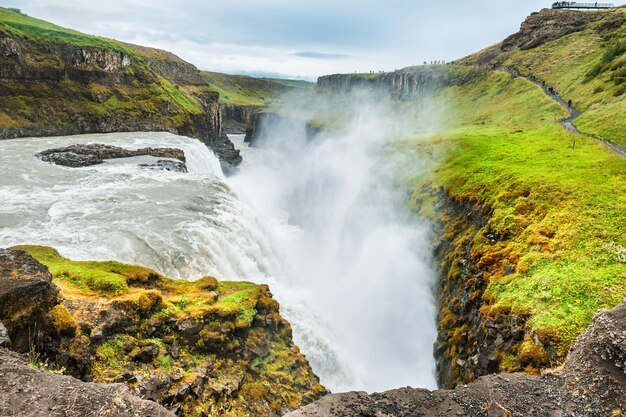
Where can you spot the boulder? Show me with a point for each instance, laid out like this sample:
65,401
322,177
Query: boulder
26,296
76,156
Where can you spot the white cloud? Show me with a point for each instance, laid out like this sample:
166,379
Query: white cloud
270,36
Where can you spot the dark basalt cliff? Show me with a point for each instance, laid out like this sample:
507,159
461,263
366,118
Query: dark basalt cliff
59,82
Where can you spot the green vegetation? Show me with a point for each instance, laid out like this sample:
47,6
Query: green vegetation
242,90
227,337
15,23
588,67
559,212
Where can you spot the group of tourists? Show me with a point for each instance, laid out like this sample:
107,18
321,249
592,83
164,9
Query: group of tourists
437,62
548,89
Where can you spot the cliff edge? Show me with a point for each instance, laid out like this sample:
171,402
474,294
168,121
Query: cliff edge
591,383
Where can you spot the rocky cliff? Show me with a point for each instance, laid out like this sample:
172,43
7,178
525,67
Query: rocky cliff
55,81
592,383
402,83
198,348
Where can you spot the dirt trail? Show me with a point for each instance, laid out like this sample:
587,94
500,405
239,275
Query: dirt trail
568,123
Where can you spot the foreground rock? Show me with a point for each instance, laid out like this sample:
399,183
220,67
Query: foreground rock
198,348
29,392
26,295
592,383
77,156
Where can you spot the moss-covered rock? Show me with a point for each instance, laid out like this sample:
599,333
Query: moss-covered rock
199,348
26,296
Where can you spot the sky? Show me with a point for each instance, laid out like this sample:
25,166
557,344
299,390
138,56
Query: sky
295,38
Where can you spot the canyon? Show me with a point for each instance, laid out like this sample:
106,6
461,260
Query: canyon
433,205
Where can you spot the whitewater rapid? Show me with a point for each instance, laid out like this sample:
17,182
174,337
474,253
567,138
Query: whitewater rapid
358,295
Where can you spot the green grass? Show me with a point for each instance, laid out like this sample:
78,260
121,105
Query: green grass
21,25
242,90
184,100
101,277
561,211
588,67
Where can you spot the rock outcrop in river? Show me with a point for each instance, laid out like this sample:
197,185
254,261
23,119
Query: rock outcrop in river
76,156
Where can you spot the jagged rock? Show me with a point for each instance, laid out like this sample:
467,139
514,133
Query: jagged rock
167,165
26,295
92,154
548,25
29,392
183,344
146,354
591,384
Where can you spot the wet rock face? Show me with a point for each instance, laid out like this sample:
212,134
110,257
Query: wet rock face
93,154
29,392
592,384
26,296
238,119
476,338
548,25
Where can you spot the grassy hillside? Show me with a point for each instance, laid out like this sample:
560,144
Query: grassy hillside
558,214
587,66
18,24
80,83
242,90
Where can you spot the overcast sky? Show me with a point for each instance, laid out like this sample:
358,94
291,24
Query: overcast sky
295,38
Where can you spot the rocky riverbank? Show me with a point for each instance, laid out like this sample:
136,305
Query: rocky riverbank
197,348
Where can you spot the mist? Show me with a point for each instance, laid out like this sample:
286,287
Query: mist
356,263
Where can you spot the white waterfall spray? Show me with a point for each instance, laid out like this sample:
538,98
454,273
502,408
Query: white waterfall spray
320,221
338,224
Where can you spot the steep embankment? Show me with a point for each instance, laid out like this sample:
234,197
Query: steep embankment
532,241
198,348
56,81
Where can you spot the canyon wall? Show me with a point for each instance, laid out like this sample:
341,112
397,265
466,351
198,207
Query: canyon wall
60,82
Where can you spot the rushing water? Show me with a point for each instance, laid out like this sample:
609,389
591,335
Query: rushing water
353,278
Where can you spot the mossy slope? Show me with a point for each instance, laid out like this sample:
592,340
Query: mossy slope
201,348
587,66
548,254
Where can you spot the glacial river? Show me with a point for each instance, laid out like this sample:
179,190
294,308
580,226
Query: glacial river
354,278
